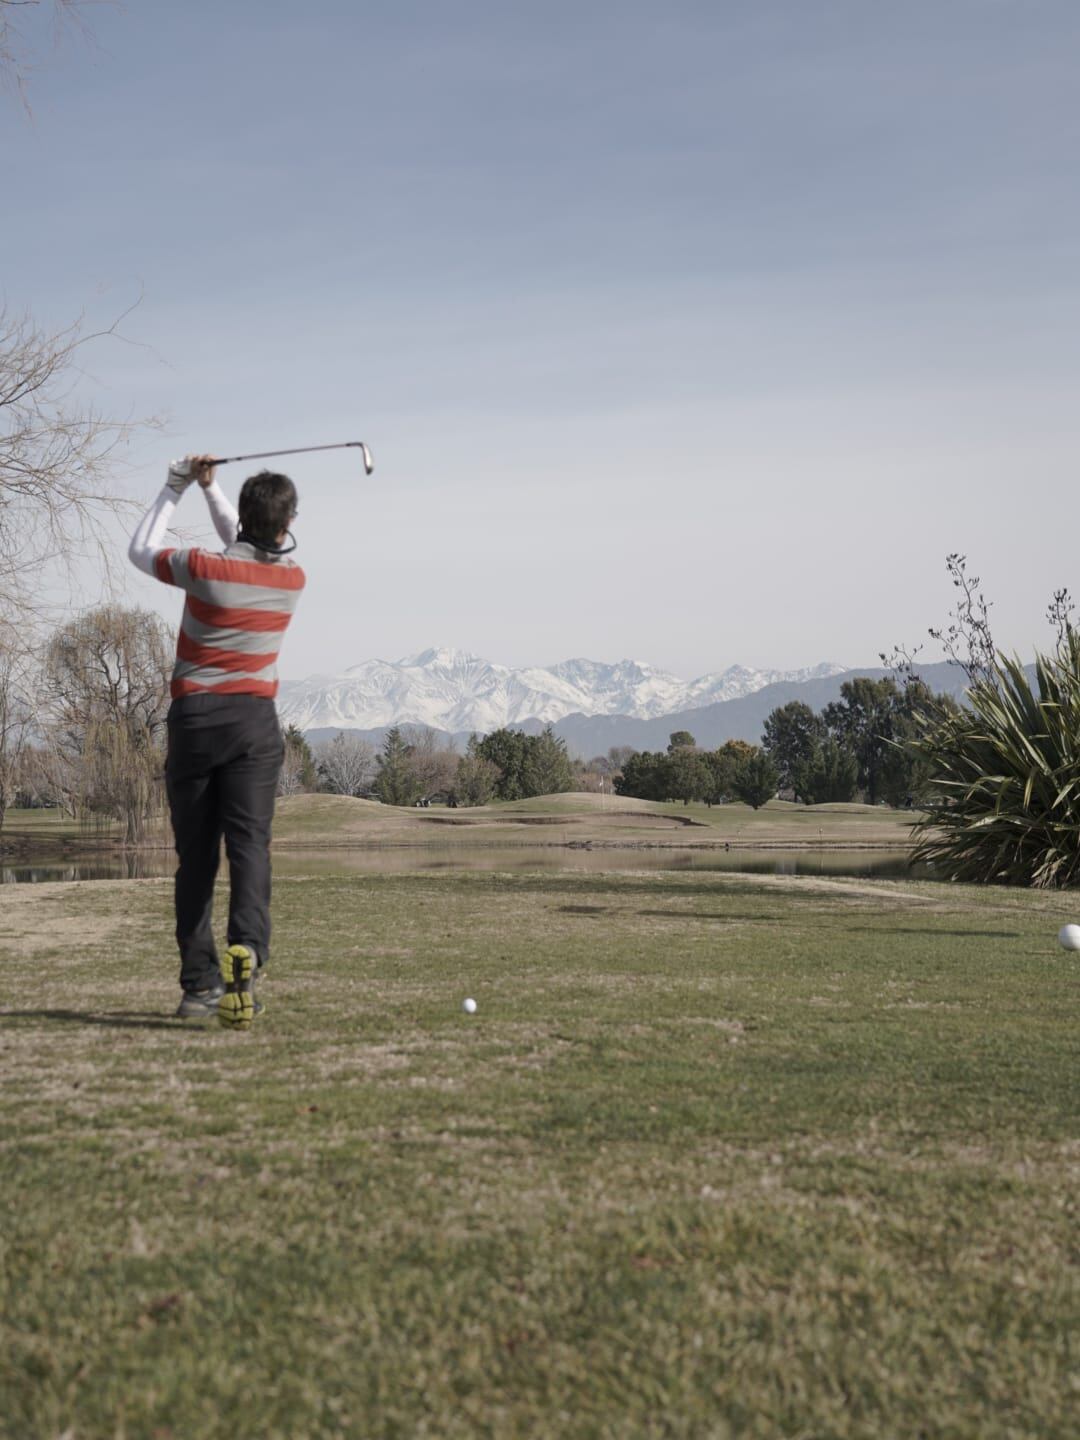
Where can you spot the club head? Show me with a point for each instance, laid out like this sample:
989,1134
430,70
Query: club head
369,464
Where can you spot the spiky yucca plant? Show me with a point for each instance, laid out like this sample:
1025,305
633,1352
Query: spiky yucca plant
1005,776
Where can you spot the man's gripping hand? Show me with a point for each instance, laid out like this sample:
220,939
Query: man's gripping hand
192,467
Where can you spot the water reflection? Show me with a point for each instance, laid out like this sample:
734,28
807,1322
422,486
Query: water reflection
883,864
118,866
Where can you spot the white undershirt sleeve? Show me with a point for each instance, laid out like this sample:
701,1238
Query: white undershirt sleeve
150,532
226,520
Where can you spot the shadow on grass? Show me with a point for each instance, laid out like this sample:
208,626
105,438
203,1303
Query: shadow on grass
593,910
934,930
762,917
114,1019
585,884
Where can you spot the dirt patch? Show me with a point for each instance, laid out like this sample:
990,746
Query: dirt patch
853,889
55,916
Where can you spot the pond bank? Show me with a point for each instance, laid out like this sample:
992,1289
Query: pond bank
360,860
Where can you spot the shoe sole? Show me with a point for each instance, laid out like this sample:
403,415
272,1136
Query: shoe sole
236,1008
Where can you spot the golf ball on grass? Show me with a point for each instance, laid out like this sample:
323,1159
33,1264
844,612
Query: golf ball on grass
1069,937
469,1005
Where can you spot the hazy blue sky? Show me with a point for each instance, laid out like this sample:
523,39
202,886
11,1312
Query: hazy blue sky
697,332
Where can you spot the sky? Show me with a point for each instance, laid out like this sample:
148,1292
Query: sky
697,333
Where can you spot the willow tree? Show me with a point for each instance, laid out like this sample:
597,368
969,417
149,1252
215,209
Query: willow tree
107,683
16,715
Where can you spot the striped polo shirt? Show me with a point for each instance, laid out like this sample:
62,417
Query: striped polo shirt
238,607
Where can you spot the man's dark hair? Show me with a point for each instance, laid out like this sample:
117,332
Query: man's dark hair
267,506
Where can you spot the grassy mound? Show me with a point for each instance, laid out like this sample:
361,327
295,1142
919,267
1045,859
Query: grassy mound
581,818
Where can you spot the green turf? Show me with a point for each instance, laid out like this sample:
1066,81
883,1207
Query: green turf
717,1156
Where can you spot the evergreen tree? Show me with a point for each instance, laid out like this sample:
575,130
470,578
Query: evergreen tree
688,775
506,751
863,721
756,779
906,769
722,765
790,738
397,782
645,776
528,764
547,769
829,776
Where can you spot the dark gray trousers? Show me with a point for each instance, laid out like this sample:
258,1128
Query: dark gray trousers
221,775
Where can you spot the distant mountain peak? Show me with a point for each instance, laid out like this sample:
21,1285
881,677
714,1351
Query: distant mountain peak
444,655
455,690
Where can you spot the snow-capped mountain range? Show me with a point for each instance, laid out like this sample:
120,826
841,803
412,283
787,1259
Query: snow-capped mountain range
455,691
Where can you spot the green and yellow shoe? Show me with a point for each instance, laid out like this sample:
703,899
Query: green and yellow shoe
237,1007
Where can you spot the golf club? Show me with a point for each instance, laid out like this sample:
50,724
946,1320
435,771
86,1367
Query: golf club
369,464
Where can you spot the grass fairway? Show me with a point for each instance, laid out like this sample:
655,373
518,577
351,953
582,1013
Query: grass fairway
718,1156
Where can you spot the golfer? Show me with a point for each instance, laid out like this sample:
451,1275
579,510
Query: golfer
225,743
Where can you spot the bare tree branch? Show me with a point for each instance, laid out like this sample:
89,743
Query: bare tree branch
1059,614
56,458
18,57
967,640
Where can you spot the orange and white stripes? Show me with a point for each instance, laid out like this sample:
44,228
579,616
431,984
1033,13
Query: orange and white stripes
238,604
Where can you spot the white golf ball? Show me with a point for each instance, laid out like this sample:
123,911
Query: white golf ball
469,1005
1069,937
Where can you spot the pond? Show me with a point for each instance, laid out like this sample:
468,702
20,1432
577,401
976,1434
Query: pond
883,864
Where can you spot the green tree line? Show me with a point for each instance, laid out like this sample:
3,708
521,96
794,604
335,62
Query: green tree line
860,745
863,744
413,768
736,771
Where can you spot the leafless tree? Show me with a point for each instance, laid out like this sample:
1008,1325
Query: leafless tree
346,764
589,778
17,53
55,450
617,757
107,683
291,775
55,458
16,714
434,764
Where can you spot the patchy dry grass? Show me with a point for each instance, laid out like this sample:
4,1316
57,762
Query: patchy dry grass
718,1155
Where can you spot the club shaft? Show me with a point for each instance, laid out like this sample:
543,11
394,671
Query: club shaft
300,450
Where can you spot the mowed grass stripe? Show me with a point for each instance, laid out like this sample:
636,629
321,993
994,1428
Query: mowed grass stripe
718,1155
